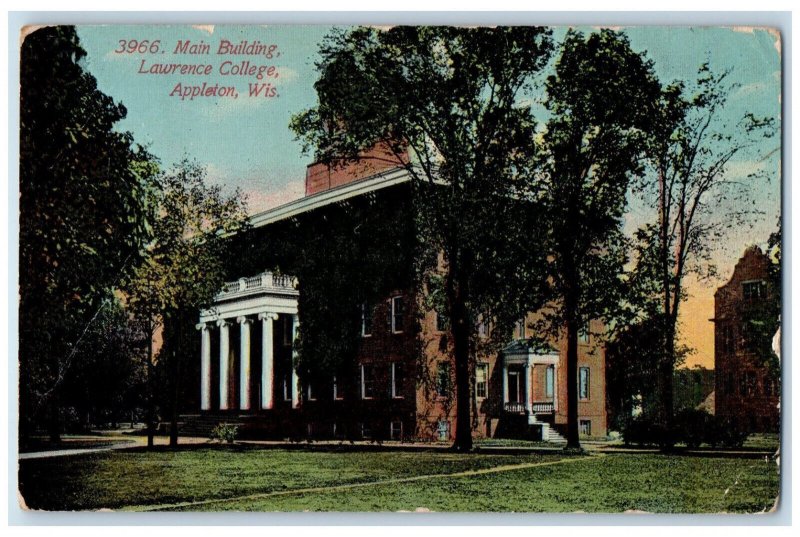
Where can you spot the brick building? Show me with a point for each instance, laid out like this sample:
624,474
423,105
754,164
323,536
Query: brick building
401,386
747,384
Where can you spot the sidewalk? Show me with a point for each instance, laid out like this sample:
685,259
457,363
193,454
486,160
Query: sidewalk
124,442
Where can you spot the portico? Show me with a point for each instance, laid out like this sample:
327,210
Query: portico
520,365
261,299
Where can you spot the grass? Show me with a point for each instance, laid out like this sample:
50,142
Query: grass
763,441
598,483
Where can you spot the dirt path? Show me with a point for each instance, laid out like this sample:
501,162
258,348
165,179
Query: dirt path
124,442
349,486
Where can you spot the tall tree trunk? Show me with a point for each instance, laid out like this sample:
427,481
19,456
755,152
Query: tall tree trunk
175,371
150,389
667,358
460,328
572,327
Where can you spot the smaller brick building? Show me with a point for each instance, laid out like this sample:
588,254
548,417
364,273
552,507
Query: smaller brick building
747,385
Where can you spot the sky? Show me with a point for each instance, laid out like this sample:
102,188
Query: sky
244,141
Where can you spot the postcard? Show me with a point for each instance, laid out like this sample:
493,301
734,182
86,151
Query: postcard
288,268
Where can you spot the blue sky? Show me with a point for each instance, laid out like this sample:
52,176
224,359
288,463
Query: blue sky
246,142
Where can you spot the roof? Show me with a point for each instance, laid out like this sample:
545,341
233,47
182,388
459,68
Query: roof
337,194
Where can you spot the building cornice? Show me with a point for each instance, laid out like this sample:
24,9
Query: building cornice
347,191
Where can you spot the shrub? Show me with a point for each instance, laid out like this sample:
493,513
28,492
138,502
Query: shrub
644,430
725,431
692,427
225,432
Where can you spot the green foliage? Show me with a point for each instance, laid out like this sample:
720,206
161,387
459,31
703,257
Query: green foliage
449,106
352,257
85,209
225,432
600,100
183,267
600,97
697,200
106,382
690,427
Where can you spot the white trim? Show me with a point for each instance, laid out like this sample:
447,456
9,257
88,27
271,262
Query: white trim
484,365
336,395
364,309
250,306
394,382
532,357
394,330
372,183
364,384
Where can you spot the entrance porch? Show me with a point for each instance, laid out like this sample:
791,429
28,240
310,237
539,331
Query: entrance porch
530,385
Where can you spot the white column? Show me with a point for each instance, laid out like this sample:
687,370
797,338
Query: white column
295,379
505,382
205,366
267,360
528,388
224,350
555,387
244,362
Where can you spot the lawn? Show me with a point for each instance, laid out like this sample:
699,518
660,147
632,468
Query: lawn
279,480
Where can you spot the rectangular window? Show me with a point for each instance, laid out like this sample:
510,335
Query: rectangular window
752,383
727,338
585,427
481,379
753,290
441,322
443,379
367,381
338,393
443,430
366,431
483,328
366,320
338,430
584,333
397,313
311,392
398,380
521,329
287,330
583,383
287,387
549,381
396,430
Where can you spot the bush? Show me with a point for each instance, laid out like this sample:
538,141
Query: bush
644,430
225,432
725,431
692,427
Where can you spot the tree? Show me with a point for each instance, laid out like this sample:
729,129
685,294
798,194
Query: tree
447,104
84,212
183,269
600,100
106,382
696,196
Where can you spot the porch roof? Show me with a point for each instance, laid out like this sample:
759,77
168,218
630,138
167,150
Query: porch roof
522,351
